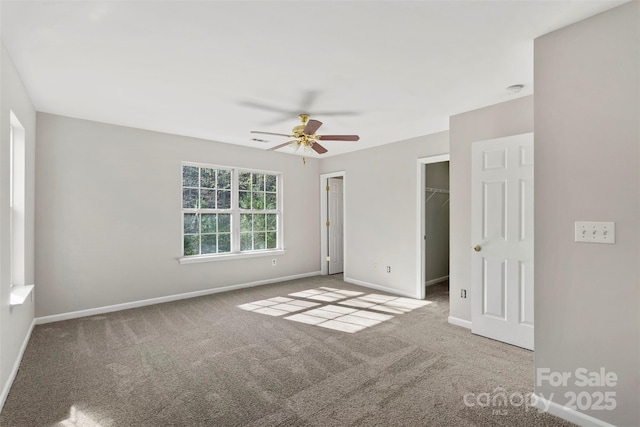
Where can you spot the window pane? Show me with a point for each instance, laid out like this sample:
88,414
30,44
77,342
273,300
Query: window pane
245,200
224,223
189,176
191,245
224,179
208,223
244,181
207,199
191,223
207,178
259,241
272,240
272,222
224,199
209,244
245,241
257,182
257,201
259,223
271,183
224,242
246,222
271,201
189,198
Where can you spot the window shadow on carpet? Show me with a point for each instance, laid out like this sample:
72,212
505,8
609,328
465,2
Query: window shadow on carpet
346,311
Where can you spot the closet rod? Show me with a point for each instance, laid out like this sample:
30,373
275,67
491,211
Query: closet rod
435,190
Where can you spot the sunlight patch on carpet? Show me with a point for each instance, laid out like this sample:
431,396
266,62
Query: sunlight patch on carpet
277,306
385,303
353,311
79,418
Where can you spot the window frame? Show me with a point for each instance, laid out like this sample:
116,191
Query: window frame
17,200
235,212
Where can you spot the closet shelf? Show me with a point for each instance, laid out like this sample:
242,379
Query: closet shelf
435,191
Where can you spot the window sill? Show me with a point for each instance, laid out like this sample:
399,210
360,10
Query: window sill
19,294
227,257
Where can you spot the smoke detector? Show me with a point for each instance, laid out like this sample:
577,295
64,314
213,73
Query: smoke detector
514,89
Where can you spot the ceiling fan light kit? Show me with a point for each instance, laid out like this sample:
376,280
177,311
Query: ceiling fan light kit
305,136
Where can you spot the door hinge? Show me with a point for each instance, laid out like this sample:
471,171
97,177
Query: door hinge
327,188
328,259
328,223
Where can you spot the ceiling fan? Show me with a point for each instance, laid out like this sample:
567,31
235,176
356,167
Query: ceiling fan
305,136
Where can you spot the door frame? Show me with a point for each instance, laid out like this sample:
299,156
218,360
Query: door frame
324,241
421,244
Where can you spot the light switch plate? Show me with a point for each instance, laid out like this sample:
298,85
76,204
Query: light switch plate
595,232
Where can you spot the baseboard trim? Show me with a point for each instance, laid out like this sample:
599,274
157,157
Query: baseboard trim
379,288
16,366
567,414
159,300
459,322
436,280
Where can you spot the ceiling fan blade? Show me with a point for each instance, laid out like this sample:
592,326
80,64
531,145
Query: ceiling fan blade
312,126
266,107
339,137
308,99
281,145
271,133
318,148
333,113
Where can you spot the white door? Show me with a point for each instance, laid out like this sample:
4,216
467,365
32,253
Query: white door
335,225
502,239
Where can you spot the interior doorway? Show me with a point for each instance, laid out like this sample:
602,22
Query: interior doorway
332,205
502,235
433,224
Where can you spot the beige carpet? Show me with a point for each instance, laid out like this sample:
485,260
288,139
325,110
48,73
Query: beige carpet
264,357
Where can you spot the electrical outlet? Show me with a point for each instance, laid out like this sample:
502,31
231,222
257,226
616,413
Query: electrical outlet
274,262
388,269
463,293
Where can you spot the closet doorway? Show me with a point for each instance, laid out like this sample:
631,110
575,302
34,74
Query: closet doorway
433,222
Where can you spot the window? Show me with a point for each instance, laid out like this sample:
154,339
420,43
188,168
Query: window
227,211
258,195
17,199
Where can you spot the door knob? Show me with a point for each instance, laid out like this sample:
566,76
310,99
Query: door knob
477,248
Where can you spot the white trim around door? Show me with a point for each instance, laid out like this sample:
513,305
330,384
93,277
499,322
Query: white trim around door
324,248
420,225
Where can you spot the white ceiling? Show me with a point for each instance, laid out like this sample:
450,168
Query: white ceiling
392,70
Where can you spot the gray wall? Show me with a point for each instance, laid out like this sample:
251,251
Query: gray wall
437,222
14,323
381,221
505,119
109,219
587,148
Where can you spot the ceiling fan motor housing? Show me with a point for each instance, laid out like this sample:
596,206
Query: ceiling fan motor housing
298,131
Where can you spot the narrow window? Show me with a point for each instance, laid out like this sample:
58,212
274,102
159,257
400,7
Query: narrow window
17,199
